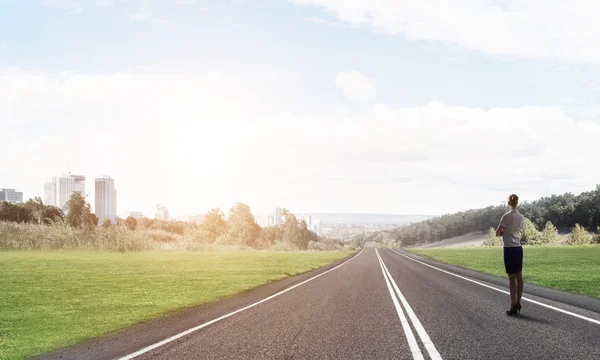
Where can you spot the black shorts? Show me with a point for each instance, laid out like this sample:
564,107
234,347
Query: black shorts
513,259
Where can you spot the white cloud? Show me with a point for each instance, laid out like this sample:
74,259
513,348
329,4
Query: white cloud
194,141
141,16
554,29
356,86
74,7
104,2
321,21
146,16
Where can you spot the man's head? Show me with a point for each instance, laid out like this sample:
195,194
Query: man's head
513,201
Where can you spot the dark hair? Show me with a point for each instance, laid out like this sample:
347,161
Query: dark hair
513,200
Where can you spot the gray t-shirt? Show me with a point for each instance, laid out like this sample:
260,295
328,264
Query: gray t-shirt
512,222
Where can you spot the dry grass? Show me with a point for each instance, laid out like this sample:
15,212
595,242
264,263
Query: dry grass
60,236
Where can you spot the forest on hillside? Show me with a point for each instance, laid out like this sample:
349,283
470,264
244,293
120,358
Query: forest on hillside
563,211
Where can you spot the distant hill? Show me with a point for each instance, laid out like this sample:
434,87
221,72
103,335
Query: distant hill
346,219
563,211
367,219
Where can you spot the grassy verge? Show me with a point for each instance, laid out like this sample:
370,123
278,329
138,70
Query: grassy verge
50,300
570,268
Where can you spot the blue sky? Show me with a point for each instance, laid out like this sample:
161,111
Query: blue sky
273,35
290,58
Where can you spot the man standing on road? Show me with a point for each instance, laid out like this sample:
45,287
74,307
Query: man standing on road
509,228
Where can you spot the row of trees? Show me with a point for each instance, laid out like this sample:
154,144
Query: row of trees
34,211
563,211
240,228
548,236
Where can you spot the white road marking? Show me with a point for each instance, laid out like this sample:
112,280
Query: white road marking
410,337
196,328
433,353
503,291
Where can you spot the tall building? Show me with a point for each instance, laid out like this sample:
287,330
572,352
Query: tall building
277,214
161,212
307,219
106,199
50,193
270,221
318,227
58,191
11,196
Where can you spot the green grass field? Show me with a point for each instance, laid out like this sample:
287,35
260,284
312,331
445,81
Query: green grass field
570,268
50,300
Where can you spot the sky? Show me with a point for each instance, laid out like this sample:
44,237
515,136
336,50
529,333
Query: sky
351,106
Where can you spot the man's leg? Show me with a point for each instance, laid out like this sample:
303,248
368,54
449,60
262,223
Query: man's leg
512,278
519,287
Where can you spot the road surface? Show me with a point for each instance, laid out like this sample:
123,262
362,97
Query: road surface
379,304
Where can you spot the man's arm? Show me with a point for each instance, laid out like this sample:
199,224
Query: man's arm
500,229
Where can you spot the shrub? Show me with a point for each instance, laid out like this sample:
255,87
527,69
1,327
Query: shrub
285,246
579,236
596,239
268,236
176,227
160,236
325,245
549,235
491,239
529,234
131,223
200,236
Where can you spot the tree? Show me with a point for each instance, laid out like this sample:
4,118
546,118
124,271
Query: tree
36,207
549,235
106,223
242,227
358,241
52,214
146,222
269,236
214,224
131,223
579,236
15,213
90,218
491,239
79,213
529,234
296,232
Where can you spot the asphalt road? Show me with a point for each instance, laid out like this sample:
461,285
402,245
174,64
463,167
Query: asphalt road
380,304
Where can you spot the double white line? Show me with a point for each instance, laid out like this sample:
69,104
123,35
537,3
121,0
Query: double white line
410,337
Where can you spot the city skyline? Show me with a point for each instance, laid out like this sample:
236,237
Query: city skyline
91,198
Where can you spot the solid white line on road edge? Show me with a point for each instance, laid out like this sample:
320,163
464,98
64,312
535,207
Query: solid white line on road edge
196,328
410,337
433,353
503,291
